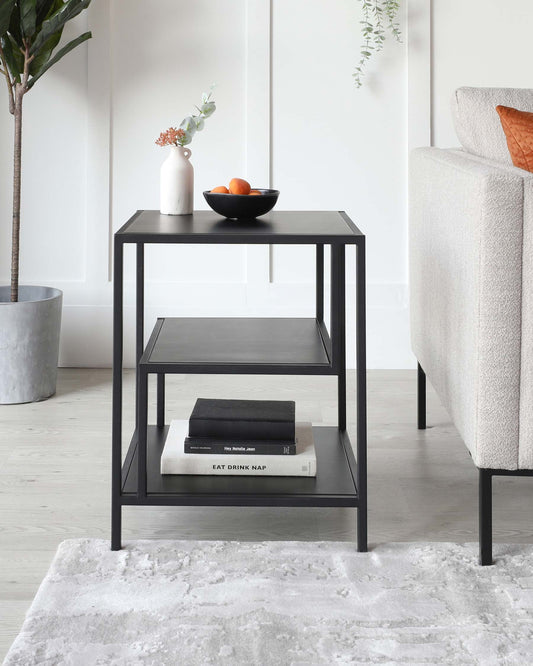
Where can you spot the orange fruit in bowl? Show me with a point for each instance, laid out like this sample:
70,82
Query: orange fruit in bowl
239,186
221,188
255,192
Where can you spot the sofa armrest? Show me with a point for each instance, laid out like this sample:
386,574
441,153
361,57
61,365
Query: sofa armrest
465,243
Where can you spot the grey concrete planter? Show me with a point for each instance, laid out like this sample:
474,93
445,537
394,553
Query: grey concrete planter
29,343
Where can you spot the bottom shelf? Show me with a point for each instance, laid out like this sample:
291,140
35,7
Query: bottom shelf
334,484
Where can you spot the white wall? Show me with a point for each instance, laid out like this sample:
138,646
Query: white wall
477,43
334,146
288,115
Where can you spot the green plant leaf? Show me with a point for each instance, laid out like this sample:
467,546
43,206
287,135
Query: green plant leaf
14,26
57,21
14,58
28,16
45,8
62,52
6,9
45,53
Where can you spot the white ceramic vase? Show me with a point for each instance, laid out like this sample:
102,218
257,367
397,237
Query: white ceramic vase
177,183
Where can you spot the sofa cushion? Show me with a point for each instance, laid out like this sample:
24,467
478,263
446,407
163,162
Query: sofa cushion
518,128
477,123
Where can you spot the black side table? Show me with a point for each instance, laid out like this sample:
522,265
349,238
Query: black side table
269,346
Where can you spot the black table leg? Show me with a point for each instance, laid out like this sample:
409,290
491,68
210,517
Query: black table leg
116,470
339,272
485,517
139,320
160,400
421,393
142,418
320,282
362,529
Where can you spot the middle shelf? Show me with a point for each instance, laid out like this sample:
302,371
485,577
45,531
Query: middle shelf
236,345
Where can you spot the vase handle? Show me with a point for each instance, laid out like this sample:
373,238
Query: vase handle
186,153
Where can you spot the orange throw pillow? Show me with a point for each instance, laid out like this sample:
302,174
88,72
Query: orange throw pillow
518,128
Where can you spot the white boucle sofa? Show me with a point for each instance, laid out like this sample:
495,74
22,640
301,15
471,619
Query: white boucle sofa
471,284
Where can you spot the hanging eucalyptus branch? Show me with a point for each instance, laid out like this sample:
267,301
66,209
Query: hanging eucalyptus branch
379,17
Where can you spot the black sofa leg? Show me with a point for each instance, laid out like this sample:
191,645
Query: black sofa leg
485,517
421,391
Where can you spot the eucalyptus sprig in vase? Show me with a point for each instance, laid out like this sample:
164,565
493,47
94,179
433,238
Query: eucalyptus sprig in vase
177,173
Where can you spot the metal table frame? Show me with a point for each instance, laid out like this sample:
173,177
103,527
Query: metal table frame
335,346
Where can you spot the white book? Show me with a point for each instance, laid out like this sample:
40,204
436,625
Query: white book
174,460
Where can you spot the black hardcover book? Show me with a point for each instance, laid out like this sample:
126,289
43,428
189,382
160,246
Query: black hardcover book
245,447
243,419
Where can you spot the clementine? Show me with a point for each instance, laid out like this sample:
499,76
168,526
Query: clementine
239,186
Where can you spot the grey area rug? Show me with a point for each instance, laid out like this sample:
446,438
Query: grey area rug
210,602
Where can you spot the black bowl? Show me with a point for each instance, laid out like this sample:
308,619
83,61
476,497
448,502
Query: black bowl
242,206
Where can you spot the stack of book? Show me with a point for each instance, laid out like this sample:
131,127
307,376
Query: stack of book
240,437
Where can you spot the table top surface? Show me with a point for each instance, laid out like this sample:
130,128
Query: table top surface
297,227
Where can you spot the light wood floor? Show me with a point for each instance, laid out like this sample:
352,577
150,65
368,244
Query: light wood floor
54,476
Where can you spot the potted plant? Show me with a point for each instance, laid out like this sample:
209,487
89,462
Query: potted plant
30,316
